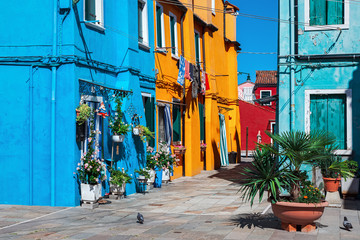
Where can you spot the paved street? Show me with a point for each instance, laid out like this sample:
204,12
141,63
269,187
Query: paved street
206,206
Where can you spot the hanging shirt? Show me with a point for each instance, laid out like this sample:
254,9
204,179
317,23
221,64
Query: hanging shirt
187,70
203,83
181,74
191,70
207,85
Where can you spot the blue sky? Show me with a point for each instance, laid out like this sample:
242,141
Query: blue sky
256,36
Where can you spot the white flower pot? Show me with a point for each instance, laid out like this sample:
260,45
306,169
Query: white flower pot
166,175
118,138
152,176
350,187
136,131
90,193
117,189
141,177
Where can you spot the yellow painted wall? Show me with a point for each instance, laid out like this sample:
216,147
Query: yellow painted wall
221,66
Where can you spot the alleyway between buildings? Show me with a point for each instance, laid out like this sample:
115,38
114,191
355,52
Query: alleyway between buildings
206,206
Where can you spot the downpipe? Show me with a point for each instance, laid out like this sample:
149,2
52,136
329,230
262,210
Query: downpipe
292,71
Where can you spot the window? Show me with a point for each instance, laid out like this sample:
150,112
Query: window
176,117
197,47
213,6
93,13
161,124
326,12
143,23
330,110
264,94
160,34
149,109
248,94
173,35
202,121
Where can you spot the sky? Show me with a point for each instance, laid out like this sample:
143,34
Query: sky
256,35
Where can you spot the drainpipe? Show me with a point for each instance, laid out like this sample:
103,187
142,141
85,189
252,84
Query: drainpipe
292,72
53,101
184,98
31,123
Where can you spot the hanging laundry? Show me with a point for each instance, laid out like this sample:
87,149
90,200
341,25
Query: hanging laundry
203,83
191,70
181,74
196,82
187,70
207,84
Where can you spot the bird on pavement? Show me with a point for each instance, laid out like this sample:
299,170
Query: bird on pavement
347,224
140,218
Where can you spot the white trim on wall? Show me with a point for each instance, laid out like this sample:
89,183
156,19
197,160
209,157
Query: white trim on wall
99,13
325,27
261,91
145,24
199,44
175,34
348,93
163,44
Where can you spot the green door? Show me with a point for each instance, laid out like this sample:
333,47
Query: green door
176,123
328,112
202,121
149,104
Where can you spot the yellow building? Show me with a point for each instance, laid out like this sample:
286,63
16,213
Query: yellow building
203,32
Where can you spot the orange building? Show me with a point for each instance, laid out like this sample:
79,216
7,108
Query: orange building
203,32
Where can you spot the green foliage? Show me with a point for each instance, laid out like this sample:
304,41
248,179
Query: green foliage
90,169
150,158
309,193
117,126
119,177
84,112
145,133
333,166
354,167
143,172
266,174
160,159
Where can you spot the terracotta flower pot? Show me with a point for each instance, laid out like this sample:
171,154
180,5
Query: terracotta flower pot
298,213
331,184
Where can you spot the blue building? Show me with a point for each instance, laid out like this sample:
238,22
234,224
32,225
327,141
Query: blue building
52,55
319,75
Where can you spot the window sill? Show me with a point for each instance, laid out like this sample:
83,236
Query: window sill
161,50
327,27
95,26
175,57
346,152
144,46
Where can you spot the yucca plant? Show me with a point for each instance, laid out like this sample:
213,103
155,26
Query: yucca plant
267,173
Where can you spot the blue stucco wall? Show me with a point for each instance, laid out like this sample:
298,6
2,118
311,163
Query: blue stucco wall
26,144
322,74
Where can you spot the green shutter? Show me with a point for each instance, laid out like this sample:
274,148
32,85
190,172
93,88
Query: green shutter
335,12
317,12
328,113
176,113
158,26
172,32
149,116
197,50
202,121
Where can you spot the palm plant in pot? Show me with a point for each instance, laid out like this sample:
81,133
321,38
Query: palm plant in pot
350,186
117,126
278,169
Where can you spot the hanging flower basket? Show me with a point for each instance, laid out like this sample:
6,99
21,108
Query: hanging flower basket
118,138
137,131
179,150
203,147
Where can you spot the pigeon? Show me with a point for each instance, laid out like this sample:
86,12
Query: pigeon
140,218
347,224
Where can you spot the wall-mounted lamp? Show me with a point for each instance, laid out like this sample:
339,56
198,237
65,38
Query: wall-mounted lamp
248,76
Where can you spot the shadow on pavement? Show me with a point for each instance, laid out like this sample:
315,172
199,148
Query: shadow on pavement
351,204
252,220
231,173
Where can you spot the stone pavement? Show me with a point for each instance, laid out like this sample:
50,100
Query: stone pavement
206,206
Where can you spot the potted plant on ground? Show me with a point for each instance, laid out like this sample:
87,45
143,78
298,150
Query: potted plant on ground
117,126
91,170
279,169
350,186
118,181
151,163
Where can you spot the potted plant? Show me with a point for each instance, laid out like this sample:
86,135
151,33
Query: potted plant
117,126
83,112
151,163
179,149
350,186
203,146
143,174
275,169
145,133
332,169
118,181
91,170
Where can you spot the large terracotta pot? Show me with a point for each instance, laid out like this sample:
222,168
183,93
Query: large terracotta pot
298,213
331,184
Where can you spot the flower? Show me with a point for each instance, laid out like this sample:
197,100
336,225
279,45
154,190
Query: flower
305,197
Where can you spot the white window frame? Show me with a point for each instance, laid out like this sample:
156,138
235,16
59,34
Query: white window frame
261,91
272,130
199,43
99,13
145,25
348,93
326,27
162,28
176,55
213,7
